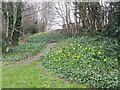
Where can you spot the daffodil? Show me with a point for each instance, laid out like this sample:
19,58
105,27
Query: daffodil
68,54
104,60
78,56
85,48
49,56
93,59
99,52
78,45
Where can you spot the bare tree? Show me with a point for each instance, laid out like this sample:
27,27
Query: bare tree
29,18
46,15
66,10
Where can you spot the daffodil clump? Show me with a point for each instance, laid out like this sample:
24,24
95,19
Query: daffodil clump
85,60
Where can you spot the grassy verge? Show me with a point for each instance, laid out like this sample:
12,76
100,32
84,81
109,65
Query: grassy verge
32,76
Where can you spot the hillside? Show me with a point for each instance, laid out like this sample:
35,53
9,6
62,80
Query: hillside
82,61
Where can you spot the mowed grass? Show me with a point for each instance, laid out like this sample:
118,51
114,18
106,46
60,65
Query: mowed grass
32,76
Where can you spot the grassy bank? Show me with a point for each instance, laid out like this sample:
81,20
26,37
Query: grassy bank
85,59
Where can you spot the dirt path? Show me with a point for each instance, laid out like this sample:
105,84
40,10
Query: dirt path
33,58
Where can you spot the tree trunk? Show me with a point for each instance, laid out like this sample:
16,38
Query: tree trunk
15,38
16,33
7,8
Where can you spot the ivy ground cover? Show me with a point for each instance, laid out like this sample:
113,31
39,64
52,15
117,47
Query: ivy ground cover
88,60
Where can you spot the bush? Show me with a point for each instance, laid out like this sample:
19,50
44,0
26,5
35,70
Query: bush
33,29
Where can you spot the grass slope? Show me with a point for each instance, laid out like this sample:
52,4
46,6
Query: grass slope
32,76
90,60
31,45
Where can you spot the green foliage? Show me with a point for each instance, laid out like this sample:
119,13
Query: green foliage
91,60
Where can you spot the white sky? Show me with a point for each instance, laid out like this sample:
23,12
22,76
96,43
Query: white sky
59,20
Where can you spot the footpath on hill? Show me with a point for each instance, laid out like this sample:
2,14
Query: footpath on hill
33,58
